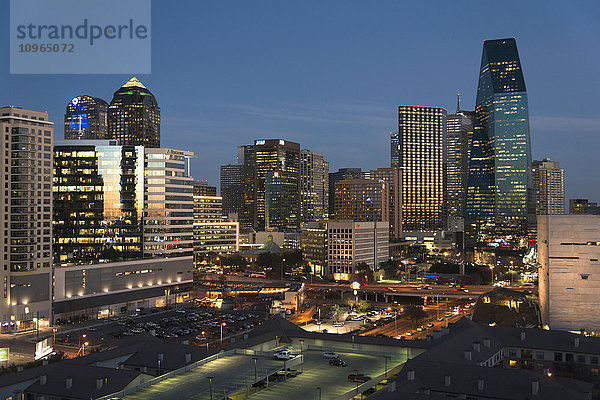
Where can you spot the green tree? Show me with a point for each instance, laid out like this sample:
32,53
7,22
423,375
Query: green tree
362,305
415,314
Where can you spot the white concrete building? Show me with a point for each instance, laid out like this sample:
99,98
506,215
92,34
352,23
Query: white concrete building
350,243
569,277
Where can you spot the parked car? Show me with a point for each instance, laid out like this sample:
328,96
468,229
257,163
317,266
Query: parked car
283,355
359,378
337,363
331,355
338,324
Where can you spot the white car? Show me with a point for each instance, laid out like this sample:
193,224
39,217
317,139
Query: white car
338,324
330,355
283,355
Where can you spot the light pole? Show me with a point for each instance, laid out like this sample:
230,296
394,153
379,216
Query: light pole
319,389
282,261
222,325
492,273
511,273
210,378
255,373
356,374
301,355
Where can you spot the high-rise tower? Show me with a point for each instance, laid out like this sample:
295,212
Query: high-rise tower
134,116
549,187
419,154
86,118
314,186
499,208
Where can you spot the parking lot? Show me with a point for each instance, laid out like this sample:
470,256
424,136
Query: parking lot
197,325
233,373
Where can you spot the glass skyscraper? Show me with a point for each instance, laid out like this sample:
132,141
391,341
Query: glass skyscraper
98,201
134,116
86,118
499,208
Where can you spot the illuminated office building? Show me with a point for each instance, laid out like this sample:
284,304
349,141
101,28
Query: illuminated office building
342,173
272,165
419,154
134,116
314,186
26,219
459,131
212,233
169,204
393,179
500,211
98,201
86,118
232,188
314,246
362,200
549,187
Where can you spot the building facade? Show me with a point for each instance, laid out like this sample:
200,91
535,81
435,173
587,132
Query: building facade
499,210
212,233
169,204
134,116
583,206
362,200
314,247
392,177
419,154
351,243
26,220
232,189
342,173
98,202
86,118
549,187
459,131
569,254
314,186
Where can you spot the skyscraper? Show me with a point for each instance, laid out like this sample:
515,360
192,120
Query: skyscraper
459,131
314,186
549,187
362,200
499,208
169,204
232,188
419,154
393,179
86,118
134,116
342,173
278,162
26,220
98,201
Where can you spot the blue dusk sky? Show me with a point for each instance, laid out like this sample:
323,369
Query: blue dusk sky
330,75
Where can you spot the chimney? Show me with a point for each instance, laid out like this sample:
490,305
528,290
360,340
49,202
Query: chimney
392,386
43,379
188,357
161,356
577,342
99,383
480,383
69,383
477,346
468,355
487,342
522,335
535,387
410,375
446,380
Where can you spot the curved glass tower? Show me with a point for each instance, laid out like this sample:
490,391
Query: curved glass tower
499,207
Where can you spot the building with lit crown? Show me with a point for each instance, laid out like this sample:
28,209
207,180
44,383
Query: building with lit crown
26,220
86,118
134,116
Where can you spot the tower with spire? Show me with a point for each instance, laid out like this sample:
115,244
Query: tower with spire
134,116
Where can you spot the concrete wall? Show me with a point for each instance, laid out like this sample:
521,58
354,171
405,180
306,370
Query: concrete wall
569,277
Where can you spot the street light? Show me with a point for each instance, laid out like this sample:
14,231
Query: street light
282,261
492,271
222,325
301,355
210,378
255,373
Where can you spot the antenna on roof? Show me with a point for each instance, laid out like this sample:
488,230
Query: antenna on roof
457,103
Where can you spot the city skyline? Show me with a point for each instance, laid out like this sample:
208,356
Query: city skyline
343,88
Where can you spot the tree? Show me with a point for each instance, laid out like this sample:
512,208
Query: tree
362,305
364,272
415,314
337,312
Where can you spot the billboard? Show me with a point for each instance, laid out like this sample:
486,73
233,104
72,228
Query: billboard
42,349
4,354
